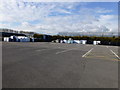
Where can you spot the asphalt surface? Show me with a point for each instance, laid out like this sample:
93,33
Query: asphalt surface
55,65
0,65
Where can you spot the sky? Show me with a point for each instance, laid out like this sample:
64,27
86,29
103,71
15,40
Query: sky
54,17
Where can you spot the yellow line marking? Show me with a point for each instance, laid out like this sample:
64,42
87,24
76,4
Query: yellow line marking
105,59
65,51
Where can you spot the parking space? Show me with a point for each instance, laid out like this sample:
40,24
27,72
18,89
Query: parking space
104,53
55,65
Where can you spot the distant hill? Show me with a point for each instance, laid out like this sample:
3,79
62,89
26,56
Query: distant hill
105,34
8,32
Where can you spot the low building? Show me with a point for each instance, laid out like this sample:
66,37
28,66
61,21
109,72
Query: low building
77,41
83,41
18,39
70,40
96,42
6,39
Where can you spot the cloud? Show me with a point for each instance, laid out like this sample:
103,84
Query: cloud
71,0
111,21
54,17
108,17
103,10
21,11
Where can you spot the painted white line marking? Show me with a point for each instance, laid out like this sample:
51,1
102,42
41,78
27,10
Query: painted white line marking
87,53
115,54
63,51
41,50
24,49
107,46
45,49
89,45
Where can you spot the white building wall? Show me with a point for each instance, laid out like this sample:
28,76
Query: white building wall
83,41
77,41
23,39
96,42
6,39
17,39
